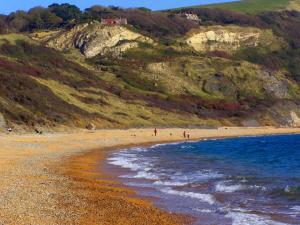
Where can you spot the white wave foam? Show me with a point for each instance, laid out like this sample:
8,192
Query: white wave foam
258,188
138,149
296,209
208,174
124,162
159,145
203,210
198,176
129,160
222,187
239,218
127,176
170,183
146,175
203,197
186,147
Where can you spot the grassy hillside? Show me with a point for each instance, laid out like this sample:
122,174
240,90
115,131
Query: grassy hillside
41,88
255,6
149,86
233,69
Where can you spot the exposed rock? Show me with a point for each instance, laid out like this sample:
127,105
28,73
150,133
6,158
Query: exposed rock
91,126
119,49
218,84
158,68
285,113
3,124
294,119
190,16
38,130
44,36
294,5
93,39
226,38
274,86
250,123
66,39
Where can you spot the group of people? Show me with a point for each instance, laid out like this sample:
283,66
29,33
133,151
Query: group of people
185,134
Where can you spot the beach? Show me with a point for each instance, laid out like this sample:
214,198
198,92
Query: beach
56,178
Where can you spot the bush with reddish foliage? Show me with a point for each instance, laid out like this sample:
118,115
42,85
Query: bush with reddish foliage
220,54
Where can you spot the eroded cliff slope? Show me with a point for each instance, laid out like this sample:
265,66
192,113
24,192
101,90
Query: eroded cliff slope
115,76
231,38
95,39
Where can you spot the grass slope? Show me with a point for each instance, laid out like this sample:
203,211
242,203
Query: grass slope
152,85
254,6
39,87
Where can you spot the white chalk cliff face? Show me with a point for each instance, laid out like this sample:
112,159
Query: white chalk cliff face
294,120
224,38
95,39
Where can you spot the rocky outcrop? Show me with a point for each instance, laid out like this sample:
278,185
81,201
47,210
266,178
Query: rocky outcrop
274,86
294,120
219,84
227,38
250,123
294,5
90,126
95,39
159,68
3,124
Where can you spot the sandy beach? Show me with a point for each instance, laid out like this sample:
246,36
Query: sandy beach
56,178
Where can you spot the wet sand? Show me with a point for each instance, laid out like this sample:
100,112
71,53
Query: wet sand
57,179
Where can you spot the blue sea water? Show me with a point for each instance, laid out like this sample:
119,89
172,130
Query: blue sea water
239,181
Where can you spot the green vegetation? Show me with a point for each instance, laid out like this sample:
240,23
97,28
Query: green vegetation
13,38
164,83
252,6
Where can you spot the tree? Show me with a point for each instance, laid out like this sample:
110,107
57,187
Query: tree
41,18
66,12
115,7
3,24
50,20
96,12
18,21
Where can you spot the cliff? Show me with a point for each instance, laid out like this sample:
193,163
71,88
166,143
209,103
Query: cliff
95,39
231,38
90,75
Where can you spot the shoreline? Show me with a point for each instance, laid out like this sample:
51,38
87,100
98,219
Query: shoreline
55,178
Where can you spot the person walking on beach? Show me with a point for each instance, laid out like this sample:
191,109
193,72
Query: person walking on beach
155,132
184,134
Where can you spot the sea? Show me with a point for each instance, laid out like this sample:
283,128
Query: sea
233,181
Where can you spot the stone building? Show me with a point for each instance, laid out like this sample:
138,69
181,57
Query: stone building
114,21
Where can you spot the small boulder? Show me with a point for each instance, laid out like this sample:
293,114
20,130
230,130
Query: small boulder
91,126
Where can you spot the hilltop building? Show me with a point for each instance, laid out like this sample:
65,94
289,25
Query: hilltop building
114,21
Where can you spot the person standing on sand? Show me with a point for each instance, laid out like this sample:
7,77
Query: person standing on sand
155,132
184,134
